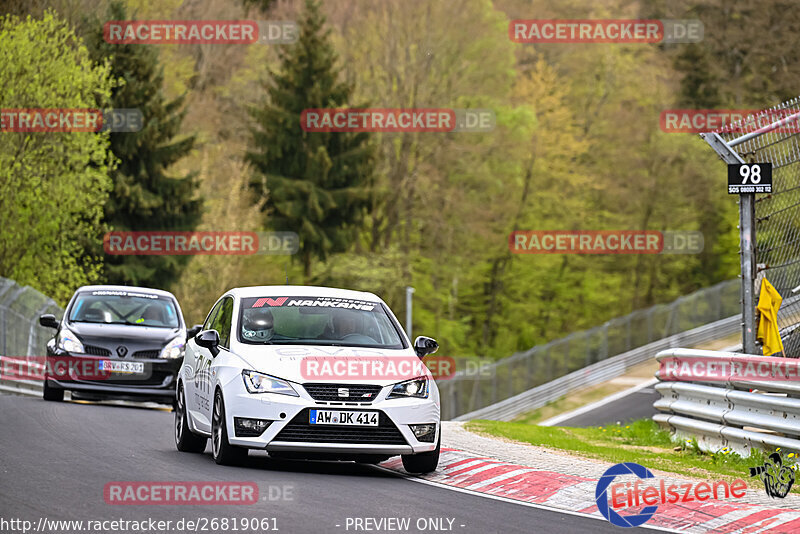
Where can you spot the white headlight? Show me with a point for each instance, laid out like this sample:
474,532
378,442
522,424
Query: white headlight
173,349
256,382
416,388
69,342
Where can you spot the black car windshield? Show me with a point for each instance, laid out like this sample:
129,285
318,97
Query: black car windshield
124,307
317,321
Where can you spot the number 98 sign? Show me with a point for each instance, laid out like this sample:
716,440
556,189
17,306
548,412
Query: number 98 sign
746,178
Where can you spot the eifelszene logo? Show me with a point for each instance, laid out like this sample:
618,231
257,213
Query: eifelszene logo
644,497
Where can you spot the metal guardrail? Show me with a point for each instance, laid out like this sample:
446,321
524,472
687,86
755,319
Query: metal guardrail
466,393
20,386
727,413
598,372
20,332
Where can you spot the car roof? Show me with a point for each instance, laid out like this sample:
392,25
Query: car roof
135,289
302,291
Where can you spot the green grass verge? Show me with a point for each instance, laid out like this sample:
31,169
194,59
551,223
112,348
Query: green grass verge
642,442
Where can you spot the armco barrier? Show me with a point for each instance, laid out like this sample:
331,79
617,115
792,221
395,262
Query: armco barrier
20,332
551,363
740,414
22,387
596,373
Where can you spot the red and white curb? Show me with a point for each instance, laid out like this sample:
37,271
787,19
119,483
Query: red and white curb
575,494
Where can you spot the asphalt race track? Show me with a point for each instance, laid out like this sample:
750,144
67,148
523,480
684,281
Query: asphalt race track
57,458
636,405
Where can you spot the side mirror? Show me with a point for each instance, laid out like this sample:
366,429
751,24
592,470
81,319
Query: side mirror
209,339
425,345
48,320
193,331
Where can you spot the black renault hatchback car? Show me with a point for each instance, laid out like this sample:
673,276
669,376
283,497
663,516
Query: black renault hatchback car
116,342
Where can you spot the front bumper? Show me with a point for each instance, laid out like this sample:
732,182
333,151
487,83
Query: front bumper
157,382
290,430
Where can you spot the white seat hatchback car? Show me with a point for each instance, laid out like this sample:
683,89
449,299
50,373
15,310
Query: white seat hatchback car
308,372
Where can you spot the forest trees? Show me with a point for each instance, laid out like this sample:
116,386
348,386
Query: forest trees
314,183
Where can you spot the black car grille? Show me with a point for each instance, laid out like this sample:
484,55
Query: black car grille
146,353
96,351
330,392
299,429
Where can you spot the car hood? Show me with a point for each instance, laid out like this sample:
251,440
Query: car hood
122,332
311,363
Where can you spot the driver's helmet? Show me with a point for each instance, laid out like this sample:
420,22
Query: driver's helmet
257,324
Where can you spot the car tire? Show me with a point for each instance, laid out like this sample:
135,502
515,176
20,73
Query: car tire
185,439
424,462
50,393
224,453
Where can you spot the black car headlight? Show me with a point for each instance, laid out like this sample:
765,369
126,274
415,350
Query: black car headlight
69,342
174,349
416,388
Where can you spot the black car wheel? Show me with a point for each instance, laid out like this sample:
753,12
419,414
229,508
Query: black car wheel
224,453
50,393
185,439
425,462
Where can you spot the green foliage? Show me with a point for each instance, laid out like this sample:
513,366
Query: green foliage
315,184
52,185
747,56
146,195
261,5
577,145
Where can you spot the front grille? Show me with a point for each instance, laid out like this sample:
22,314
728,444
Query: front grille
146,353
299,429
96,351
330,392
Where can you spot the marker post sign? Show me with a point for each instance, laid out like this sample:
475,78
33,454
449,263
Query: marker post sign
748,178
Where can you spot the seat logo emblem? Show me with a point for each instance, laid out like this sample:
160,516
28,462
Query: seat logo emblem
344,392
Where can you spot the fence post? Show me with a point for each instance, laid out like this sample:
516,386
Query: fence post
549,363
511,379
746,240
494,384
588,358
529,370
604,349
628,333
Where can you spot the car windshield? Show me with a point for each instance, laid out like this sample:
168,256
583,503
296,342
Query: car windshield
124,307
317,321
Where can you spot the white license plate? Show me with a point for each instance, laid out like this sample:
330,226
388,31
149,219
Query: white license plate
128,368
343,417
